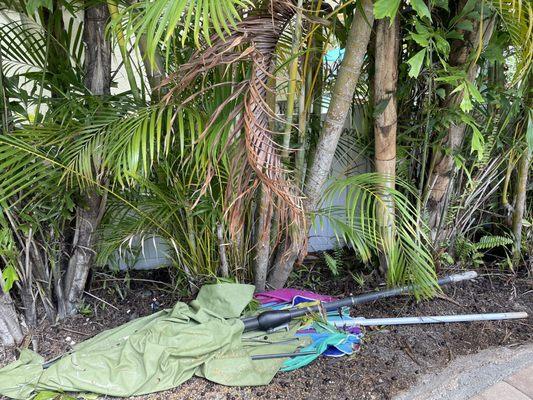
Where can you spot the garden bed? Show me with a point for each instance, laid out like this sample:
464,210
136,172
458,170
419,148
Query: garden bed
390,359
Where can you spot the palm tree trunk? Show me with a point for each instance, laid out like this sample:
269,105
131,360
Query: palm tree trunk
316,95
265,226
441,174
385,125
303,117
10,330
339,107
89,213
98,51
224,266
88,218
262,248
520,201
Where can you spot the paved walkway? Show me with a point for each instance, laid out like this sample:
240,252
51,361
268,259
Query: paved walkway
500,373
518,386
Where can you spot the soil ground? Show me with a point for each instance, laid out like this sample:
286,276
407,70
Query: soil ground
390,361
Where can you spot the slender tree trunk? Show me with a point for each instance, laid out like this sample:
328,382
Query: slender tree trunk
520,201
97,51
29,305
317,71
441,175
303,117
385,125
26,289
224,266
10,330
265,229
339,107
262,248
43,279
36,282
88,218
89,213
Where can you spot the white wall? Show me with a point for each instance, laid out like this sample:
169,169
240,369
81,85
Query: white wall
322,237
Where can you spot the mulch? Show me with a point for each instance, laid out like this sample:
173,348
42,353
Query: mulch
390,360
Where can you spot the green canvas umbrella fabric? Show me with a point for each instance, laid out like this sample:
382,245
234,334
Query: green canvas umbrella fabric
159,352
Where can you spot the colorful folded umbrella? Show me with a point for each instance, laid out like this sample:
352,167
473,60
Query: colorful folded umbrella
288,295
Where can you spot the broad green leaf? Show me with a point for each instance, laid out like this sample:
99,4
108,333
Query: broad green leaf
442,45
458,161
386,8
465,25
448,79
478,143
415,63
421,8
422,29
421,39
474,92
10,277
453,34
469,6
466,102
46,395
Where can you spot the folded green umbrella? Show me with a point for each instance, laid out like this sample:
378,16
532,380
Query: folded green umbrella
159,352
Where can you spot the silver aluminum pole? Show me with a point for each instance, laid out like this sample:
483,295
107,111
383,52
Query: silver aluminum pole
436,319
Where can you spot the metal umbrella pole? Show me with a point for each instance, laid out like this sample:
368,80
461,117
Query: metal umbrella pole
434,319
271,319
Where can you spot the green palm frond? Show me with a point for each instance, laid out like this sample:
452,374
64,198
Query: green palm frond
517,19
167,198
117,140
356,223
12,5
43,179
160,21
23,46
24,175
74,33
25,49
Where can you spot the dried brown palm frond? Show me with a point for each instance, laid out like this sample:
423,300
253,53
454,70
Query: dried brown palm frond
256,156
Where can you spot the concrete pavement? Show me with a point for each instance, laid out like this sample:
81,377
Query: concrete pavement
498,373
